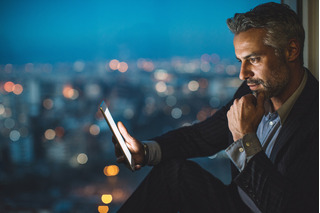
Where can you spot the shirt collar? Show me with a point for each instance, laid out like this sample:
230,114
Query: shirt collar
285,109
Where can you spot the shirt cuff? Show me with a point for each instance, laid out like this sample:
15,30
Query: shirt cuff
154,153
242,150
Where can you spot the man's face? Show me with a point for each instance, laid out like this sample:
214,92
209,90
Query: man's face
260,67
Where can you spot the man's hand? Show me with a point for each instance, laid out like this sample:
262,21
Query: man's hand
134,146
245,115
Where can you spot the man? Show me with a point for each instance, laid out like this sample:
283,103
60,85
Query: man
271,136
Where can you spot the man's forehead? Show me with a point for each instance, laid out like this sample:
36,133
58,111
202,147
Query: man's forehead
248,42
253,34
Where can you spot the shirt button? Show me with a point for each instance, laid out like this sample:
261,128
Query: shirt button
240,149
271,123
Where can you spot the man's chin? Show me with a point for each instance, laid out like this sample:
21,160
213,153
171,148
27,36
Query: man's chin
257,92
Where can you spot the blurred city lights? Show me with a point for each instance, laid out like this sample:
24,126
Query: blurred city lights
79,66
70,93
29,67
8,68
67,91
46,68
203,83
205,67
59,131
8,86
49,134
176,113
171,100
47,103
123,67
111,170
103,209
193,86
117,65
94,129
215,58
231,70
14,135
106,198
205,57
161,87
146,65
113,64
9,123
82,158
161,75
7,112
17,89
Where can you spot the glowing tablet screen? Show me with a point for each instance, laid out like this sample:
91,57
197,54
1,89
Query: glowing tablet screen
112,125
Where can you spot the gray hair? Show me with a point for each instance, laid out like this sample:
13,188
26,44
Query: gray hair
280,22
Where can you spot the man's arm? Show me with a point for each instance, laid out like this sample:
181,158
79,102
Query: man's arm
288,185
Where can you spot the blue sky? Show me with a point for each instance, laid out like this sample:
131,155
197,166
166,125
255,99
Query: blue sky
69,30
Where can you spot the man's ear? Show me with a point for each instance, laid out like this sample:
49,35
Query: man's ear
293,50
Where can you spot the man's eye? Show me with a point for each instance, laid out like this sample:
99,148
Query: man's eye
254,60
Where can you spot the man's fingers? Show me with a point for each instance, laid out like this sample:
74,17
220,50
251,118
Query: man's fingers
124,132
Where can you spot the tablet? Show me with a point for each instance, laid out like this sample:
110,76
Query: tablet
114,129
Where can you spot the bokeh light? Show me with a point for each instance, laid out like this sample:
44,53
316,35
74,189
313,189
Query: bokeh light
161,75
17,89
14,135
59,131
176,113
82,158
78,66
193,86
94,129
9,123
49,134
114,64
70,93
103,209
106,198
171,100
122,67
161,87
47,103
111,170
8,86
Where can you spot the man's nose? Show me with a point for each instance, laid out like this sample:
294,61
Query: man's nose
245,71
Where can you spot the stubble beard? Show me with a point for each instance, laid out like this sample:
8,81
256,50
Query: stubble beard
270,88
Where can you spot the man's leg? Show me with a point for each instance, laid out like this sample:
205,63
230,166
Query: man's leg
182,186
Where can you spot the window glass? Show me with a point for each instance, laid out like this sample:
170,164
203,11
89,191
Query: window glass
159,65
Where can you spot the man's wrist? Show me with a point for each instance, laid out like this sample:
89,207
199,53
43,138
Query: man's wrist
242,150
152,153
251,144
145,154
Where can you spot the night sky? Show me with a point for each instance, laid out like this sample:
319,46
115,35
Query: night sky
65,31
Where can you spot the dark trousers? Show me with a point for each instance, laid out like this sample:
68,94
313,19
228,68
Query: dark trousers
183,186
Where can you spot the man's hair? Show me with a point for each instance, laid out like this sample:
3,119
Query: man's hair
280,22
